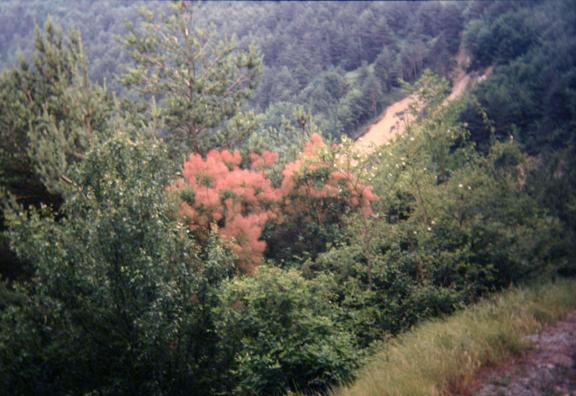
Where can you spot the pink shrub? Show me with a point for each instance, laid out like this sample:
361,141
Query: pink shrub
240,201
313,185
215,190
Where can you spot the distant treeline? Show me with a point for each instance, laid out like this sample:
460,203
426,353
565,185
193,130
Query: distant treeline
343,62
176,218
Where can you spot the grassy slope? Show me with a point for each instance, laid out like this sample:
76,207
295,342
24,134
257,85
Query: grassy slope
440,355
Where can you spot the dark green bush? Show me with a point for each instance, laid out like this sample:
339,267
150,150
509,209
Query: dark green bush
285,334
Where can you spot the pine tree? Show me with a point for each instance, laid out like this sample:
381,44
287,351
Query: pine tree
198,79
51,114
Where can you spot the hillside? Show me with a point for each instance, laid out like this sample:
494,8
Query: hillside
184,212
548,366
517,344
397,116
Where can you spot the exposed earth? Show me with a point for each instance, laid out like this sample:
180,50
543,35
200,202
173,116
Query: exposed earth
547,369
396,116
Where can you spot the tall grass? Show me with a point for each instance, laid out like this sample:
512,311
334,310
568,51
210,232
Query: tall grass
441,356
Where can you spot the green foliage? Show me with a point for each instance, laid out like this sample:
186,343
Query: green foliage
298,42
199,78
98,23
531,91
501,40
123,298
128,303
352,111
284,129
286,334
450,226
51,116
531,94
551,182
123,292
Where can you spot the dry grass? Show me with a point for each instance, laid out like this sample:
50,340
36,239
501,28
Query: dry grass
442,356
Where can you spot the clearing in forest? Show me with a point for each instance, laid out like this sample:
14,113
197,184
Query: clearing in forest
396,117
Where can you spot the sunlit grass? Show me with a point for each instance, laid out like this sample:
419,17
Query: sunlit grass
441,356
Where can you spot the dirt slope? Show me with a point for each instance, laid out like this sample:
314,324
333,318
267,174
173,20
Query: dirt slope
392,123
396,117
548,369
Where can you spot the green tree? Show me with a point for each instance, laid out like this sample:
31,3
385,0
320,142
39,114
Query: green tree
120,299
286,334
51,115
383,69
198,78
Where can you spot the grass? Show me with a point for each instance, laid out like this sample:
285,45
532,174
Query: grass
442,356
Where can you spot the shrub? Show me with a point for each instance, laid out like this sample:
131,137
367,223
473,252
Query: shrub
314,197
216,190
318,193
452,225
284,331
119,297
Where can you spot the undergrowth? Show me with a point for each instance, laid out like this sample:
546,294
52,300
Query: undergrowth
442,356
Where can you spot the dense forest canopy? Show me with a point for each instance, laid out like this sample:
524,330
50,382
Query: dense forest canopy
340,61
185,212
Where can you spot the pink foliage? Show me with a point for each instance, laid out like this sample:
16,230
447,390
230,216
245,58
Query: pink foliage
242,201
264,160
313,185
239,201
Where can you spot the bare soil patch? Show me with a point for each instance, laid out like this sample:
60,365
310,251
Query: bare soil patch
391,124
396,117
547,369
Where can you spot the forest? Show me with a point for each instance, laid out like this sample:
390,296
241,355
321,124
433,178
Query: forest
185,210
